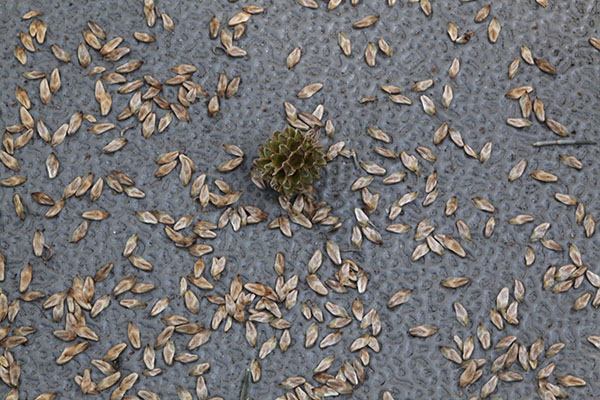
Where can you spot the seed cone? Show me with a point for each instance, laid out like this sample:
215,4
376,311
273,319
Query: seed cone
290,161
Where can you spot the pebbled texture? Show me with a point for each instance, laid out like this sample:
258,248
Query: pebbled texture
410,368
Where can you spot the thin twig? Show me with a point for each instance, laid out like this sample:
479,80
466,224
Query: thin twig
245,382
356,163
562,142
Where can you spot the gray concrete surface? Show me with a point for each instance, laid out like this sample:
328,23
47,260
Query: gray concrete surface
410,368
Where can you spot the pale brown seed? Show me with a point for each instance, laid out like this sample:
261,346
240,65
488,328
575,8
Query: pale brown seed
463,230
425,7
144,37
461,313
114,145
484,336
525,105
267,347
447,96
566,199
27,41
79,232
421,86
554,349
31,14
518,122
294,57
468,347
103,98
526,55
428,105
25,278
545,66
239,18
400,99
425,330
489,227
483,204
513,68
60,54
213,27
95,215
232,87
538,109
384,47
365,22
486,152
452,31
99,129
595,340
570,380
557,127
570,161
489,387
589,225
71,351
83,55
55,81
483,13
579,212
400,297
511,313
426,153
34,75
312,334
133,333
469,375
235,52
9,161
370,54
454,282
454,68
582,301
494,30
451,354
344,43
167,22
391,89
544,176
45,93
23,98
13,181
518,92
410,162
517,170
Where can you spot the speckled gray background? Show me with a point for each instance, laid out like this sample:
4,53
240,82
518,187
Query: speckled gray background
410,368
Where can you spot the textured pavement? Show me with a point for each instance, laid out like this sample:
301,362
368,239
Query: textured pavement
410,368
